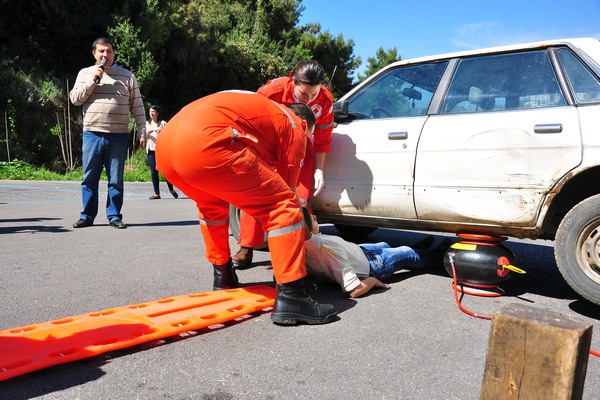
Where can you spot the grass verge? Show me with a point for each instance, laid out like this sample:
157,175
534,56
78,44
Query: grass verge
136,170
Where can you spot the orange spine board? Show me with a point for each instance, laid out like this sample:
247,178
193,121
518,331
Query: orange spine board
33,347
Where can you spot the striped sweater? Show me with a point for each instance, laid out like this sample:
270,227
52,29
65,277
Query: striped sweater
106,106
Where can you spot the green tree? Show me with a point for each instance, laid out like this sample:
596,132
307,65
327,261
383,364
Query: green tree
334,54
133,52
178,50
382,58
49,44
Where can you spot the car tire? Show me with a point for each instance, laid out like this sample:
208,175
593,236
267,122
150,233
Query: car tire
577,248
354,231
234,226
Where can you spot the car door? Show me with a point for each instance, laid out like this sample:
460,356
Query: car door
504,136
370,168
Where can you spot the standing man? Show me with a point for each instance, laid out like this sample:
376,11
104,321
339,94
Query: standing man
108,94
303,85
243,149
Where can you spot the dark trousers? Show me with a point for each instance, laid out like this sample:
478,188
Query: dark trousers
154,173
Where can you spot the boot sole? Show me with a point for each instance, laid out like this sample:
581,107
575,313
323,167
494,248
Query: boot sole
293,319
234,285
241,265
225,288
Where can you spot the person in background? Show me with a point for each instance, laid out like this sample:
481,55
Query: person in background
241,148
108,94
305,84
153,127
358,268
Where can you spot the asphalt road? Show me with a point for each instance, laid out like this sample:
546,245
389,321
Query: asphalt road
408,342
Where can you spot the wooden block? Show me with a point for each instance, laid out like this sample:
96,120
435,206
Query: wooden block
535,354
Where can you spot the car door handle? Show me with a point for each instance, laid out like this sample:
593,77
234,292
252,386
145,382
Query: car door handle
397,135
548,128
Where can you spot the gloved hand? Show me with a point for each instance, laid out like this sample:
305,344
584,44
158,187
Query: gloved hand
319,182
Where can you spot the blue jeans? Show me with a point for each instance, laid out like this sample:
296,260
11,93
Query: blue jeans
103,150
385,260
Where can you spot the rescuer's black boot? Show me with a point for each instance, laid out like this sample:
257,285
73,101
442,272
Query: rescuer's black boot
294,305
224,276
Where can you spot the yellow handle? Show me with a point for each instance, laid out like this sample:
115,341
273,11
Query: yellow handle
514,269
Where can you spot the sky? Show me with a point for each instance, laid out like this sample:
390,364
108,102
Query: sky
421,28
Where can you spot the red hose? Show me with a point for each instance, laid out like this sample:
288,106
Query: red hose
455,287
473,314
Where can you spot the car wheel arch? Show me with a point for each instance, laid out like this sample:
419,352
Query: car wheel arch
569,191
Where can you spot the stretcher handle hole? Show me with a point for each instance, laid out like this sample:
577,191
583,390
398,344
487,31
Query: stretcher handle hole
62,321
23,329
101,313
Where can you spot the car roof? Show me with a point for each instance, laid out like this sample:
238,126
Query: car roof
590,46
586,44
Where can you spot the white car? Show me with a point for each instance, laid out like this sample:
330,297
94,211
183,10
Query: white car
499,141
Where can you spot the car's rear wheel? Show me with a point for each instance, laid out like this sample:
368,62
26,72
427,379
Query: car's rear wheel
577,248
234,225
354,231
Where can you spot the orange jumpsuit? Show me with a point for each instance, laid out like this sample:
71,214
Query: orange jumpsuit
243,149
281,90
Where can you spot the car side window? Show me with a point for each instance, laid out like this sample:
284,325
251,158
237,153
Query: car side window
401,92
583,82
503,82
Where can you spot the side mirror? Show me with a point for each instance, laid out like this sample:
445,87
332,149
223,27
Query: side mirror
340,110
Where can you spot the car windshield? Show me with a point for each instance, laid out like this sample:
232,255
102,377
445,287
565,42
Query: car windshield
401,92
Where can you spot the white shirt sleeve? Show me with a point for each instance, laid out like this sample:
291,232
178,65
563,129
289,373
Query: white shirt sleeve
331,257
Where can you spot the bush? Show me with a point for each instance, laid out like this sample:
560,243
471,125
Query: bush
20,170
136,167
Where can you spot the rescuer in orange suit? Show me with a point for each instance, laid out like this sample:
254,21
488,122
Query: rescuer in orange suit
303,85
243,149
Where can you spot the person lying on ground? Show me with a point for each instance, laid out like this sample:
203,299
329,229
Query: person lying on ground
358,268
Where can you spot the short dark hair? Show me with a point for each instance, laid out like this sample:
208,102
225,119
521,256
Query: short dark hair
308,220
102,40
304,112
308,72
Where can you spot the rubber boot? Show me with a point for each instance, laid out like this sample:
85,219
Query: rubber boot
294,305
243,258
224,276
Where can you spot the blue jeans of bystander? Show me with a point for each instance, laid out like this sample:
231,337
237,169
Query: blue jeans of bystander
103,150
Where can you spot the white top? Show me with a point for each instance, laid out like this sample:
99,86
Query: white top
332,257
152,131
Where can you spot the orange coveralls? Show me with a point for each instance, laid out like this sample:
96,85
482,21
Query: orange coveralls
281,90
243,149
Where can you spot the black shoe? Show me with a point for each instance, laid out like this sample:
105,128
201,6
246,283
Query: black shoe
224,276
243,258
294,305
82,223
433,258
174,194
118,224
444,245
424,244
154,197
